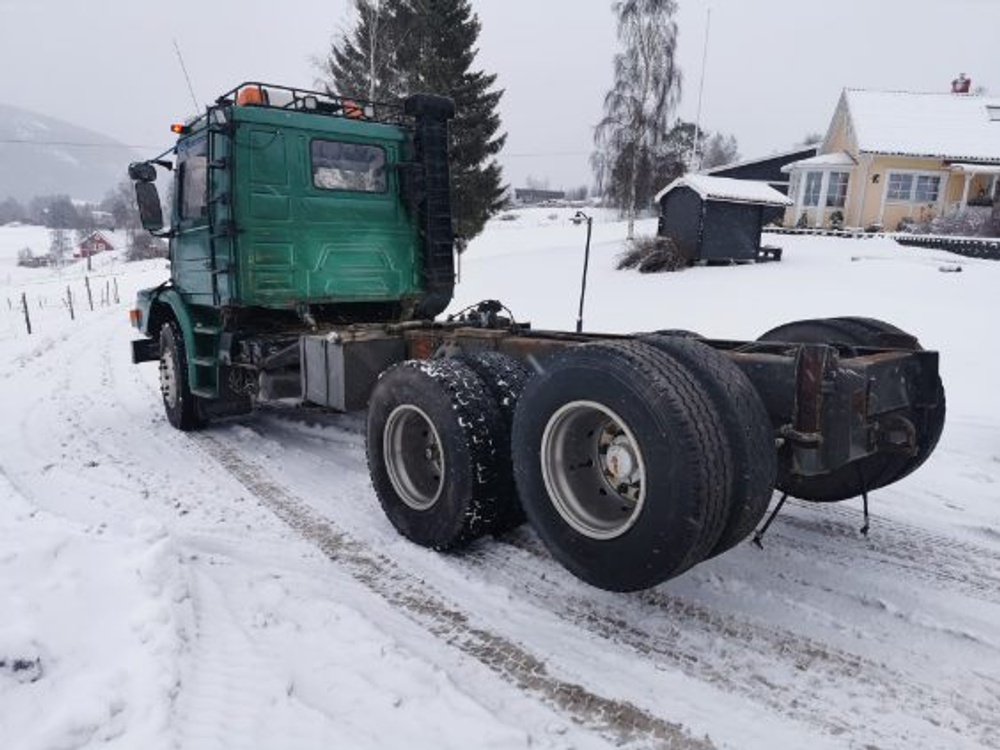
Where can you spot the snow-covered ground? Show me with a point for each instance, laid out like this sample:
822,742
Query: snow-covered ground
240,588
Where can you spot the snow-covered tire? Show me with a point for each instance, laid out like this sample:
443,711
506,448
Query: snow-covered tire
432,444
748,430
182,407
505,378
621,464
877,470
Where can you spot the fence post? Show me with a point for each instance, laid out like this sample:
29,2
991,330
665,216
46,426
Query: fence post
69,302
90,297
116,289
24,305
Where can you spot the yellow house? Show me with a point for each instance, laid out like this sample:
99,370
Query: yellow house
891,156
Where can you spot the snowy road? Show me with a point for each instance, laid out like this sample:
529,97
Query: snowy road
240,588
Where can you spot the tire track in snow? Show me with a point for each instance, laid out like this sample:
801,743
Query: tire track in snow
766,663
671,631
900,548
620,721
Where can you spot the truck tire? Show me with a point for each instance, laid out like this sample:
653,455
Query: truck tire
875,471
621,464
183,408
505,378
747,428
432,441
853,331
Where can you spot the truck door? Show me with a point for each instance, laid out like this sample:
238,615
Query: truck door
190,248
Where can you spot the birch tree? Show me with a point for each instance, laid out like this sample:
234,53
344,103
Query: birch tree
637,109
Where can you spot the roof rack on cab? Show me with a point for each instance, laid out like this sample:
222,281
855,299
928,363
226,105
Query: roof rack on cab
275,96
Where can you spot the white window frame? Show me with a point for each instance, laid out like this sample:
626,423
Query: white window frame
830,186
915,175
810,182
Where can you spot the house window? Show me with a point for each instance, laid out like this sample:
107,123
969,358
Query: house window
348,166
813,185
836,190
927,189
900,186
913,188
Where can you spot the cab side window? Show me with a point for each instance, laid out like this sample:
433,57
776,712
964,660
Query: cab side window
354,167
192,179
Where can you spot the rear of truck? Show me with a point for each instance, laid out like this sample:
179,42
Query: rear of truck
311,252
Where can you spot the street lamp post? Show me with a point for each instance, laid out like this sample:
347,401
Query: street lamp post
578,217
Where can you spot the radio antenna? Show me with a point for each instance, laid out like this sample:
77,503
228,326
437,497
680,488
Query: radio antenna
180,59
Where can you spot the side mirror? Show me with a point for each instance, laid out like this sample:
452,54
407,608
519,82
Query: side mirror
150,210
142,171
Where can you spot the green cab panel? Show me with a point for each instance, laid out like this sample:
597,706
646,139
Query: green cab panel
316,211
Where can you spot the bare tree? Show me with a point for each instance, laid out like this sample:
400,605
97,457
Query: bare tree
720,149
362,62
646,89
59,245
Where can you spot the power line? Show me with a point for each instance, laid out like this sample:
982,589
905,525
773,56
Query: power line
74,144
505,155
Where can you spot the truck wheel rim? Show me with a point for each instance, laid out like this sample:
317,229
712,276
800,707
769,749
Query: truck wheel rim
593,469
414,458
168,378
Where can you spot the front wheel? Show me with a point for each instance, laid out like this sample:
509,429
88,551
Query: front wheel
182,407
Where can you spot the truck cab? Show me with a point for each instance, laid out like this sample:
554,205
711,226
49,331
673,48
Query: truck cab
291,209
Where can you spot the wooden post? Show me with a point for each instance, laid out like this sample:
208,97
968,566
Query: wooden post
69,303
90,297
107,293
24,306
116,289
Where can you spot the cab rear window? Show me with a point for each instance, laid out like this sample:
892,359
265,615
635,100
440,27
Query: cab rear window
353,167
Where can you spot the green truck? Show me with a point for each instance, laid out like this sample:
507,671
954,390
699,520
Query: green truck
312,257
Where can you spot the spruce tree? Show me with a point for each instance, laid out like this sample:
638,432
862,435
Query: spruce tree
429,46
362,63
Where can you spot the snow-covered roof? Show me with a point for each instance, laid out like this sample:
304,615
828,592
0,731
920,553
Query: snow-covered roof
947,126
758,159
728,189
836,159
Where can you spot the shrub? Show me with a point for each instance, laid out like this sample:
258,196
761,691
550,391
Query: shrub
654,255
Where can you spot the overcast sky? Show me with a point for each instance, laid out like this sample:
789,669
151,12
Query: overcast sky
775,67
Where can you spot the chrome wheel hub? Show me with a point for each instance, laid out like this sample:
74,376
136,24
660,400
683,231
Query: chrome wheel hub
593,469
413,456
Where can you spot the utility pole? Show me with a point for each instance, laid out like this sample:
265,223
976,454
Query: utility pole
694,159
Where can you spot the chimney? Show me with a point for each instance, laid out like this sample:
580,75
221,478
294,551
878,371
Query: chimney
961,84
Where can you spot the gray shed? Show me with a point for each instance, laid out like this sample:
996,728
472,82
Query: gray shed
716,218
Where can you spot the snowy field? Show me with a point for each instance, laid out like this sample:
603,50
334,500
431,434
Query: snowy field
240,588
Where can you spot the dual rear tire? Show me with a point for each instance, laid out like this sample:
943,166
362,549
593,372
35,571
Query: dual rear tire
633,461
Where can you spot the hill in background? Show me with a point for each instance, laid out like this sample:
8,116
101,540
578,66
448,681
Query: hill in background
40,155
